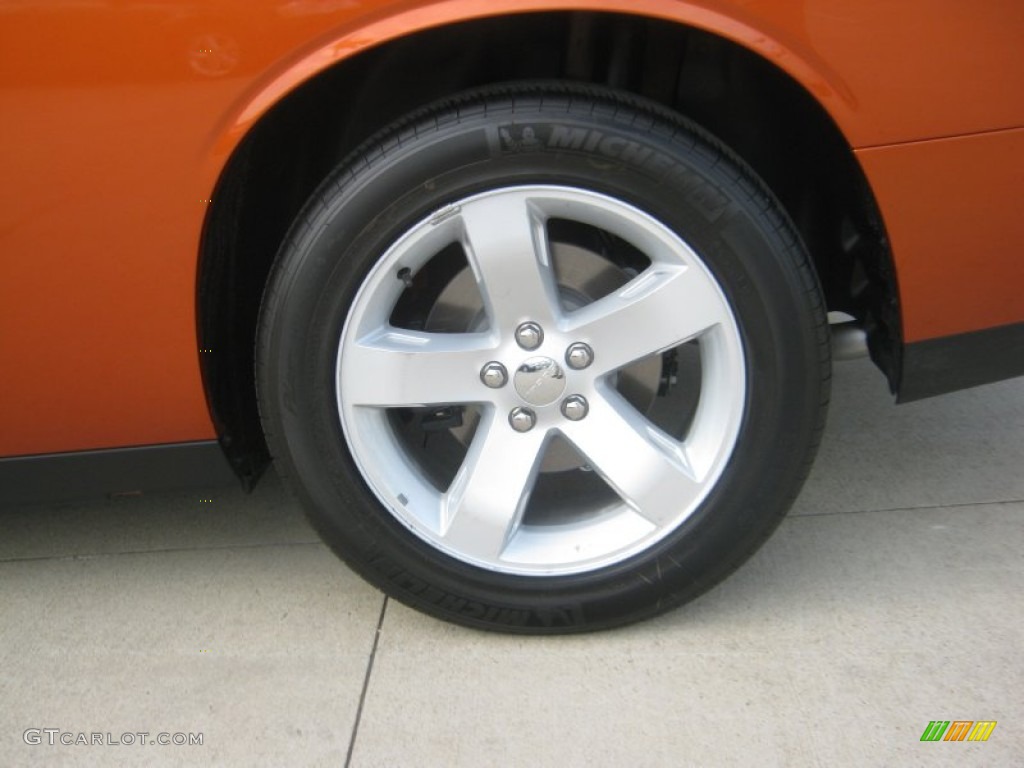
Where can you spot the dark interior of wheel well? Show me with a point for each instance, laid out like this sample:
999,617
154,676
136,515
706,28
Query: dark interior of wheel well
766,118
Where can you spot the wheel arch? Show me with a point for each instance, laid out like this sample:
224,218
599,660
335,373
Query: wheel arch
778,108
800,62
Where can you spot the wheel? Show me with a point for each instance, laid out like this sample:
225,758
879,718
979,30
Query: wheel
543,359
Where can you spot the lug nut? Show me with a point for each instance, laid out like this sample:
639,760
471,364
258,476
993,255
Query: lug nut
575,407
522,419
494,375
578,356
529,335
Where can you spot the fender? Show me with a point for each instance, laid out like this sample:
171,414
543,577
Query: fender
725,19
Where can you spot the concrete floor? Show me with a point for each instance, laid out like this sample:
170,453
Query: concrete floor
889,598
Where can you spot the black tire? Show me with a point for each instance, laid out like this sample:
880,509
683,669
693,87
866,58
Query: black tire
610,147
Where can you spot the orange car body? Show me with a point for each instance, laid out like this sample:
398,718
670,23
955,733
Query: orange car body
119,119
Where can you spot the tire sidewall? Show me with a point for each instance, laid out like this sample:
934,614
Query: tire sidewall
665,167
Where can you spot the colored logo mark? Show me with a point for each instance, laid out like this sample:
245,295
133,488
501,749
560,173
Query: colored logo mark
958,730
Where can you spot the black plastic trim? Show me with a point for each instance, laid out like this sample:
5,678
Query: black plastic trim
937,366
84,474
229,283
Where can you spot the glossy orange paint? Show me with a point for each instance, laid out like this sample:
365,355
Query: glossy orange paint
886,72
953,213
119,117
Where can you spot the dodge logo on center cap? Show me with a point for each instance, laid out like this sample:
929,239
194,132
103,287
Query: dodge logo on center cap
539,380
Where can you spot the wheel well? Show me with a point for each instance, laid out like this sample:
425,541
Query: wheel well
764,116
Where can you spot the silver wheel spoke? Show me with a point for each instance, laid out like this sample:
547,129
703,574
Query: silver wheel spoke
507,248
470,486
646,468
485,502
395,367
662,307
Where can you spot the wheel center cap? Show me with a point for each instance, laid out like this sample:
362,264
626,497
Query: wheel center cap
539,381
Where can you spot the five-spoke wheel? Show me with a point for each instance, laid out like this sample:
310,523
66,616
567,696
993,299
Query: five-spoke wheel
538,364
543,358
